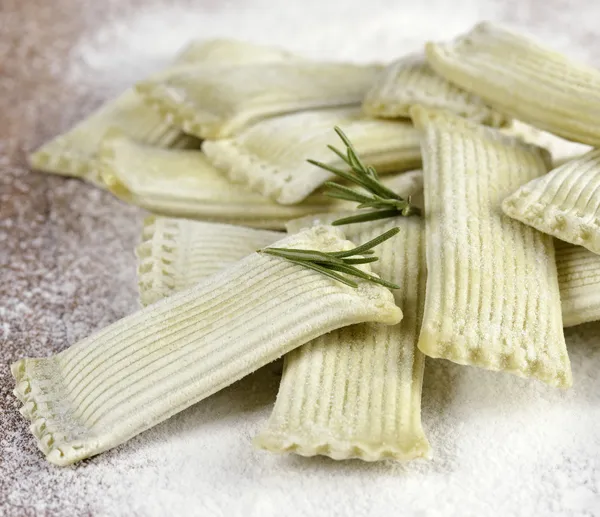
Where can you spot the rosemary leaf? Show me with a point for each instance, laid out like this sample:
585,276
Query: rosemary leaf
344,197
383,204
339,153
367,245
364,217
377,195
373,172
333,263
349,270
327,272
365,260
353,195
352,154
310,255
330,168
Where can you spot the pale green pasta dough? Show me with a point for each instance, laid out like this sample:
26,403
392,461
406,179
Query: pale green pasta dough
492,286
270,157
147,367
356,392
410,81
74,152
520,78
564,203
175,254
217,102
184,183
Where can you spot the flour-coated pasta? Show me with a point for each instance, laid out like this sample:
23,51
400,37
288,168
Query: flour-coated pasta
149,366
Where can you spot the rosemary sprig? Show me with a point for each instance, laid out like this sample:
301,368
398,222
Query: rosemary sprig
384,201
337,264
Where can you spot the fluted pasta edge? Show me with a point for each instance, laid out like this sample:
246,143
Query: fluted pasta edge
563,224
156,255
48,438
340,449
433,344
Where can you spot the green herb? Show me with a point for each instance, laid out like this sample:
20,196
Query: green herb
337,264
385,202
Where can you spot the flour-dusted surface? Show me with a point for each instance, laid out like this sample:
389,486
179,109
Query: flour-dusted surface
502,446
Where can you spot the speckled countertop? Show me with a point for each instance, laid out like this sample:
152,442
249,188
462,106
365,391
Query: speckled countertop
67,268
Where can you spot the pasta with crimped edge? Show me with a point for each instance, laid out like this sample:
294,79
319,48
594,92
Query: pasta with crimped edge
564,203
183,183
492,287
409,81
74,152
520,78
218,102
270,157
356,392
147,367
370,362
175,254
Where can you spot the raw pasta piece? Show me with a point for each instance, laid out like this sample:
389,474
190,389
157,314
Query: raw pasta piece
149,366
410,81
519,78
492,289
217,102
579,281
270,157
73,153
175,254
564,203
356,392
389,429
183,183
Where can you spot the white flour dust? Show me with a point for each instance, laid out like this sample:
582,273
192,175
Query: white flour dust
380,30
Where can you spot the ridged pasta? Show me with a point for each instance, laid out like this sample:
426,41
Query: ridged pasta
149,366
579,281
356,392
74,152
270,157
492,287
578,268
175,254
519,78
409,81
217,102
183,183
371,362
564,203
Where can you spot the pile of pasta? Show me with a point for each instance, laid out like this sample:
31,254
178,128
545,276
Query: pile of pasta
504,254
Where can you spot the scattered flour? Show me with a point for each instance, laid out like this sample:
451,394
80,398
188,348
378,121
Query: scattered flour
378,30
502,445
